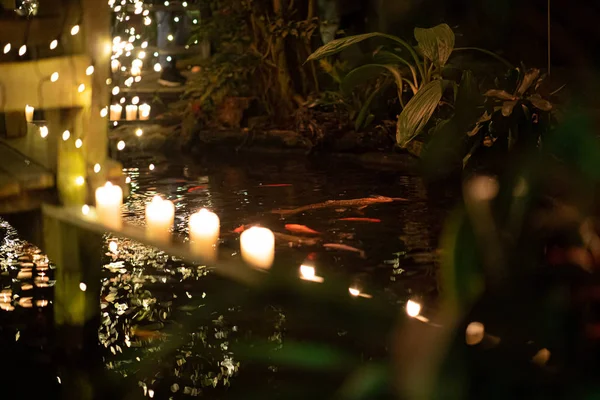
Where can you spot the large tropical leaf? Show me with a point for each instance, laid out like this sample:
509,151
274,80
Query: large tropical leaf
499,94
528,80
339,45
540,103
436,43
417,112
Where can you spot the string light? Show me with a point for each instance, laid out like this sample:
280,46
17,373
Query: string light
104,112
78,143
115,90
7,48
151,167
79,181
139,132
176,19
135,100
22,50
184,4
54,77
81,88
85,209
43,131
170,38
97,168
66,135
157,67
108,81
144,45
53,44
90,70
74,30
128,180
142,54
147,21
120,145
122,101
138,78
166,4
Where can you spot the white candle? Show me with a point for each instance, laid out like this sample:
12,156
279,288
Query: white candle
131,112
29,113
109,199
144,112
204,233
160,215
115,65
115,112
258,247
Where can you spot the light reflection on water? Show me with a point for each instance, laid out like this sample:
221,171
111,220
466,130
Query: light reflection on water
170,326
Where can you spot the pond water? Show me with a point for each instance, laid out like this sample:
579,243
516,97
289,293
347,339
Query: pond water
171,330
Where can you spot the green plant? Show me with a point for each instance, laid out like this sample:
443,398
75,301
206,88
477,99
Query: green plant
421,72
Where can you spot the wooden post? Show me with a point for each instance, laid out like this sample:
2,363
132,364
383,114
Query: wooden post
77,255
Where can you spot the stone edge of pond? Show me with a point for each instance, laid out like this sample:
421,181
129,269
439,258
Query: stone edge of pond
157,138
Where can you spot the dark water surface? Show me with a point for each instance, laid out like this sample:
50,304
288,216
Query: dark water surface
171,330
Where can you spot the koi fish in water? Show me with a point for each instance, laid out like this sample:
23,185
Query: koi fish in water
193,189
353,219
301,229
343,247
276,185
240,229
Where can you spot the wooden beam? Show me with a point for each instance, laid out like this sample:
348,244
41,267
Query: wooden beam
28,83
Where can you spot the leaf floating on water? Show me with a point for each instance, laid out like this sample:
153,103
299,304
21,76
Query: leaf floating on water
301,229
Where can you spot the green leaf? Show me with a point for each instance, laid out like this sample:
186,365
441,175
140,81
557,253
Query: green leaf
540,103
436,43
339,45
367,72
417,112
499,94
364,112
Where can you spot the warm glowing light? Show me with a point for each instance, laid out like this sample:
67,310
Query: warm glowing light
117,40
542,357
169,58
147,20
66,135
474,333
115,65
53,44
122,100
120,145
7,48
184,4
108,81
97,168
29,113
135,100
258,247
131,111
43,131
307,272
89,70
79,181
143,46
78,143
204,227
483,188
151,167
22,50
113,247
145,112
157,67
129,81
74,30
128,180
166,4
413,309
138,78
135,70
104,112
195,21
82,287
115,90
160,215
139,132
109,199
85,209
176,19
81,88
54,77
170,38
141,54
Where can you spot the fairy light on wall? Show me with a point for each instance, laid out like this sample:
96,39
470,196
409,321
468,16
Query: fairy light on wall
22,50
74,30
44,132
97,168
54,77
53,44
66,135
89,70
81,88
7,48
78,143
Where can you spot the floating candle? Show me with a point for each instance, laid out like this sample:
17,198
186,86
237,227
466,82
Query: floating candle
29,113
204,233
258,247
144,112
131,112
109,199
160,215
115,112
